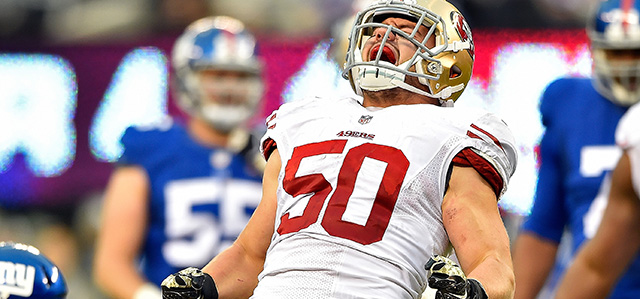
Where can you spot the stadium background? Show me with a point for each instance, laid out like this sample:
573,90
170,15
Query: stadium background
75,73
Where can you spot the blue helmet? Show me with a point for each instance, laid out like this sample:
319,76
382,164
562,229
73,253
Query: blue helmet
218,43
614,32
26,273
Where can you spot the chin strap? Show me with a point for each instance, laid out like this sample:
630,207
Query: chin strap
442,96
376,79
447,103
446,92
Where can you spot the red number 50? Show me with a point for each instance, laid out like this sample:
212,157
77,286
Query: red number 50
384,202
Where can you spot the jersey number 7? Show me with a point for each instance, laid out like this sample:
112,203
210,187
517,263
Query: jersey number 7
384,202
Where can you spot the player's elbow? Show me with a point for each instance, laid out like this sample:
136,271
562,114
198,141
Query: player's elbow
501,279
507,286
510,284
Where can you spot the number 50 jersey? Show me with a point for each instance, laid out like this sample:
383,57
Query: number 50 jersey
360,193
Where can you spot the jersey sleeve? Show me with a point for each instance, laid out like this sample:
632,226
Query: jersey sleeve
284,116
268,143
549,215
492,152
628,138
133,147
141,143
468,158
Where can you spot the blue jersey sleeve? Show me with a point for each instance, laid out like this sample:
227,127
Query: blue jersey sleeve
548,215
148,145
134,147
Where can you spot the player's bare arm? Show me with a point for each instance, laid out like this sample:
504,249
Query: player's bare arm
533,259
235,270
472,220
122,232
596,268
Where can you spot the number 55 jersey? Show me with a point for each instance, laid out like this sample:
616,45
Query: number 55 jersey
200,197
360,193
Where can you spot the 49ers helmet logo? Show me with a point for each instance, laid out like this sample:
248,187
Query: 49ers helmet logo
463,30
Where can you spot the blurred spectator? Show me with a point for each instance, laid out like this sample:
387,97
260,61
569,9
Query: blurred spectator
96,20
525,13
175,15
73,20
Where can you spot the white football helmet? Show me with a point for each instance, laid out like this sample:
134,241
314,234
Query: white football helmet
444,68
218,44
614,32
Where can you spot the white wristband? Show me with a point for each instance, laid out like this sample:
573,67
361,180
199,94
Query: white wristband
148,291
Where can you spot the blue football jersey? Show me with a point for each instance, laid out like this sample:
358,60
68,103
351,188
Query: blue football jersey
200,197
577,152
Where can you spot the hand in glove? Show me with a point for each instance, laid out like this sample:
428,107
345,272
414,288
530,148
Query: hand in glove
450,282
189,283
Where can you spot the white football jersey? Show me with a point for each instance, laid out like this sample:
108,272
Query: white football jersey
628,138
360,194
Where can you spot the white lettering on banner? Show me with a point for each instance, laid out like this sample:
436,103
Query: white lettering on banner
137,95
37,104
38,101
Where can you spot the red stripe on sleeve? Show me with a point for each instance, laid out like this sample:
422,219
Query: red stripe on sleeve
468,158
268,146
495,140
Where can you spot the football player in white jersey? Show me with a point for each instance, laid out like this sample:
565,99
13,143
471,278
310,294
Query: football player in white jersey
603,259
359,198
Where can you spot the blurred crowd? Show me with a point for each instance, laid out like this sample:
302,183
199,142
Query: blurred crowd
100,20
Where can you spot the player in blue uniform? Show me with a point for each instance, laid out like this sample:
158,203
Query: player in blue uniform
184,190
578,152
598,265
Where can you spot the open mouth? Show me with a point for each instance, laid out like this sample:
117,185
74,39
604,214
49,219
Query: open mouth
387,54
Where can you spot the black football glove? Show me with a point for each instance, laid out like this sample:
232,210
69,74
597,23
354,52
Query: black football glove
189,283
447,278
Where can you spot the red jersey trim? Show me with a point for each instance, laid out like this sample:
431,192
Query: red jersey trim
268,146
493,138
469,158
